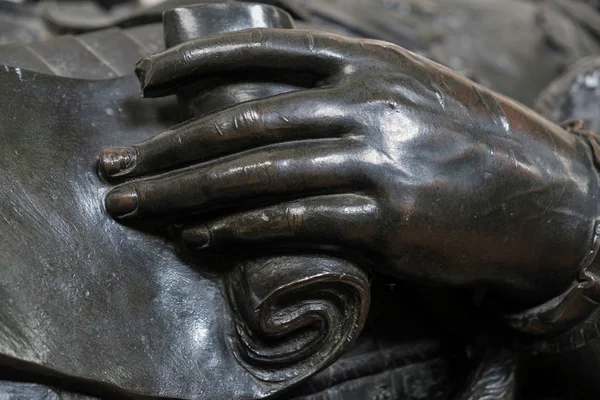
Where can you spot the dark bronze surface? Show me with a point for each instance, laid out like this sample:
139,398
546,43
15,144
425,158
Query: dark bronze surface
257,325
366,152
83,297
387,157
186,23
33,391
90,300
515,47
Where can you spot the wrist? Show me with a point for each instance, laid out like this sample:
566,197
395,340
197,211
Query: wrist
567,321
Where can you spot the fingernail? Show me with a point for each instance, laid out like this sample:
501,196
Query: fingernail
196,238
142,67
115,161
121,202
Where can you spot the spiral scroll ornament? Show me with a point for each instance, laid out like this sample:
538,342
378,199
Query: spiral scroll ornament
294,315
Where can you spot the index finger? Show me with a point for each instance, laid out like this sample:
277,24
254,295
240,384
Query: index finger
312,52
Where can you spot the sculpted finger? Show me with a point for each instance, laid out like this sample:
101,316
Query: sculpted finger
285,170
345,220
307,114
313,52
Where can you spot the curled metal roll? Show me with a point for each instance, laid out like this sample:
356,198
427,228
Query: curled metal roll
294,315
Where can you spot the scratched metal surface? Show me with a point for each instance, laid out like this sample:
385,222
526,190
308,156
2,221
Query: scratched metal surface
83,297
33,391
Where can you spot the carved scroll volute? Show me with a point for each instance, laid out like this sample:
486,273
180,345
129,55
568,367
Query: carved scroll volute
294,315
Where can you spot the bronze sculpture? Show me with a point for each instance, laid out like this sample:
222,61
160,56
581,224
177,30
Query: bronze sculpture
362,137
342,151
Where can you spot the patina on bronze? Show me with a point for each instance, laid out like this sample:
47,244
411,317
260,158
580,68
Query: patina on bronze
258,324
359,164
389,158
241,328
